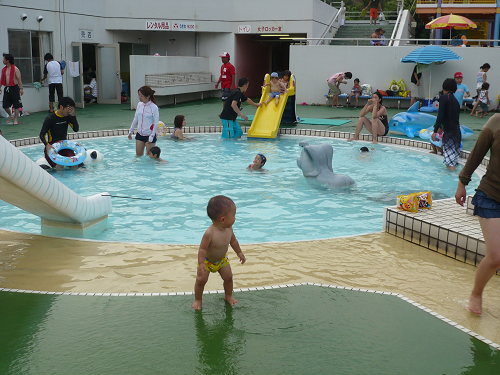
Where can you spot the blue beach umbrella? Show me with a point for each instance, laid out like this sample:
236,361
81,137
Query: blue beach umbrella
430,55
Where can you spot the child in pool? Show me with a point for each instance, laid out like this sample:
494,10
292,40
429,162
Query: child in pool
276,86
258,163
212,254
356,92
439,137
154,153
179,123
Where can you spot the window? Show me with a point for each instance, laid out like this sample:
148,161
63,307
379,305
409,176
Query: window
28,49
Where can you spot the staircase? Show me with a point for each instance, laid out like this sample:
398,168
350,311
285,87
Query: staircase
357,30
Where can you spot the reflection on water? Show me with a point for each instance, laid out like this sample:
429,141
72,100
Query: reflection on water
219,343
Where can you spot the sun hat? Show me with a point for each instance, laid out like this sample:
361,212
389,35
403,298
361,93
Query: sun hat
459,75
274,74
225,54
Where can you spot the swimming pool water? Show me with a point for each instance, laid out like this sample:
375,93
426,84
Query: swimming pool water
277,205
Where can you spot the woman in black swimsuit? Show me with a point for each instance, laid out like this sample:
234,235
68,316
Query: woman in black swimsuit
378,124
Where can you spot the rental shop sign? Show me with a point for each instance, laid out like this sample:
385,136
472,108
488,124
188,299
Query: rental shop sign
170,25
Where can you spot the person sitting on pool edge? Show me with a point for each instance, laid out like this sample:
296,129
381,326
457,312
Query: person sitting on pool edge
212,254
230,127
258,163
378,125
55,128
154,153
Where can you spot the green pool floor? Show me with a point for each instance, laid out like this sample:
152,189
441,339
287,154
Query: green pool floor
294,330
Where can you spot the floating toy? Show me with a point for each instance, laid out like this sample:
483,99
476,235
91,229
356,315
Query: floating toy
79,158
161,130
427,134
412,122
94,157
316,161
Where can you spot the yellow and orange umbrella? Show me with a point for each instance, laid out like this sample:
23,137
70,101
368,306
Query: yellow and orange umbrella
451,21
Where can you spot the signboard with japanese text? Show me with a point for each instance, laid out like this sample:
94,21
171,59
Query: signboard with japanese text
183,26
86,34
158,25
269,29
244,29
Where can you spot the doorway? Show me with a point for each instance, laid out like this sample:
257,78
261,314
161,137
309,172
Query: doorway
258,55
127,49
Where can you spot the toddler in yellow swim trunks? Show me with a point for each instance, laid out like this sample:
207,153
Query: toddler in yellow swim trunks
212,254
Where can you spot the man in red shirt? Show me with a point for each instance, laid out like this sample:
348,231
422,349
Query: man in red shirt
227,77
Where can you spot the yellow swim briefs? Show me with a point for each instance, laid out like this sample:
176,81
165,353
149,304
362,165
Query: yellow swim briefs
216,266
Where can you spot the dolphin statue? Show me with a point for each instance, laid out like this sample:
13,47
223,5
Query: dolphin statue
315,161
413,121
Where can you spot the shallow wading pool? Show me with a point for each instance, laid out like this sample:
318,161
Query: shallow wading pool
279,204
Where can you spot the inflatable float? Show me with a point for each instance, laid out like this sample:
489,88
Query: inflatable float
81,155
427,134
412,122
315,161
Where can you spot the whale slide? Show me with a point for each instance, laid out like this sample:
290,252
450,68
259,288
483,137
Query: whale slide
267,119
27,186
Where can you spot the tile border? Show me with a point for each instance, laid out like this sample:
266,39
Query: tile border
418,144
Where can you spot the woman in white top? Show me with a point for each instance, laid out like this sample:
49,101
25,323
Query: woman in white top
146,120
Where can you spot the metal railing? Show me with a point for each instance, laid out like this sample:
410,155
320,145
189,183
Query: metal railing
334,19
351,16
406,41
461,2
398,22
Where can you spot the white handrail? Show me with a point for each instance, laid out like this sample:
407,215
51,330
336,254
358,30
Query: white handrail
398,22
335,18
412,41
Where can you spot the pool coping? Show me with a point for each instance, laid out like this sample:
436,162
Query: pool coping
282,286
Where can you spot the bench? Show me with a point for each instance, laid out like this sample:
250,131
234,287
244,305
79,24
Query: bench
398,98
180,83
467,100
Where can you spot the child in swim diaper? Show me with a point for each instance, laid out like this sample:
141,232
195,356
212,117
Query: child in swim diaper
276,87
212,254
258,163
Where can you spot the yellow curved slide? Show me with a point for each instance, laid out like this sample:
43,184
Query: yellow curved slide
267,119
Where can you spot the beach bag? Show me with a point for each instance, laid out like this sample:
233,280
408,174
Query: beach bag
382,92
381,16
402,87
366,90
363,14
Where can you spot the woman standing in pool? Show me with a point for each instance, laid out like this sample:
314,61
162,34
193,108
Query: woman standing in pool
486,204
146,120
378,125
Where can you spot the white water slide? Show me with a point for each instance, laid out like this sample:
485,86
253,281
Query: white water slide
27,186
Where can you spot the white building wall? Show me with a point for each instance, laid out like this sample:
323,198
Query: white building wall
377,66
114,21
